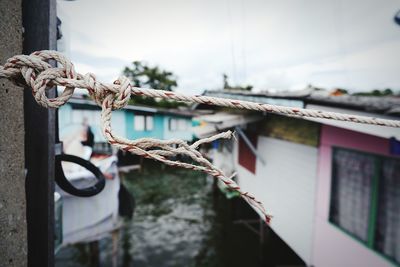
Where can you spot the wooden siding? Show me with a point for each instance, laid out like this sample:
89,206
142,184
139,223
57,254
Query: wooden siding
286,185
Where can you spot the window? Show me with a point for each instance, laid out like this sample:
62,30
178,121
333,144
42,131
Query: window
178,124
365,199
387,236
351,191
138,122
143,123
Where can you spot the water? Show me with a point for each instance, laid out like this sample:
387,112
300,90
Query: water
172,219
171,223
179,221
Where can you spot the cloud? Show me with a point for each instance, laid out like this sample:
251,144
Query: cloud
281,44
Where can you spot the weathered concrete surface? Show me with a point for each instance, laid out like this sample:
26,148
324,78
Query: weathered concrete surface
13,236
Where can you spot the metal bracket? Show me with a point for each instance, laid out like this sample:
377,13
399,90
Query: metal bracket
58,148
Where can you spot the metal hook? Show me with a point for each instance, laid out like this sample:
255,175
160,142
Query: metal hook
65,185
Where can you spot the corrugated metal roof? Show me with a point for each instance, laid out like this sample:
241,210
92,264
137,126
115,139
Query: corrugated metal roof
176,112
380,105
91,103
380,131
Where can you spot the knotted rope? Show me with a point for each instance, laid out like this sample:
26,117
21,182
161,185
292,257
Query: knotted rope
35,72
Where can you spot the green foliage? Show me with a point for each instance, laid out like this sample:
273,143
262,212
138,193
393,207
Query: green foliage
145,76
377,92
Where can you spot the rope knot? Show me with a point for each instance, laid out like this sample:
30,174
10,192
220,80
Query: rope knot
40,76
124,92
116,97
96,91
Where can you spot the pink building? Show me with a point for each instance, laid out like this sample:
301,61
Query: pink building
332,187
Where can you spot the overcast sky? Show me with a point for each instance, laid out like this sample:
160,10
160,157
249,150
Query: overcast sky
280,44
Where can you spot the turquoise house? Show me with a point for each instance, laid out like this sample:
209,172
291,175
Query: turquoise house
132,122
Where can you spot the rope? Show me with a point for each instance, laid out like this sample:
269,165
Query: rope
40,76
35,72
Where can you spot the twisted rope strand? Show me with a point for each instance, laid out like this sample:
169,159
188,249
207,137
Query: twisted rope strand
143,146
35,72
40,76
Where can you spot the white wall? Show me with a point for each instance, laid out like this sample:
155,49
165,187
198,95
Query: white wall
286,186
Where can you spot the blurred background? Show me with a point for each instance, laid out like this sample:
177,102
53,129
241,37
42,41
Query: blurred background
332,187
281,45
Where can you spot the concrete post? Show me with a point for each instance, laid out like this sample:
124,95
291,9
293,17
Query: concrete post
13,233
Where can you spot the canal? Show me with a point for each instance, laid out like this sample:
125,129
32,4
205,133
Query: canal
181,221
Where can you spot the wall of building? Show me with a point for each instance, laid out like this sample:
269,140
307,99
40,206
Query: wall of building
286,186
286,183
333,247
118,122
122,122
158,126
13,231
70,121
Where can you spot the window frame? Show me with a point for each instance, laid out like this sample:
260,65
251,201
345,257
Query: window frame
145,122
373,212
149,120
136,125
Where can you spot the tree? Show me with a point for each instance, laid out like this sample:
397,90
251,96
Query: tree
145,76
387,91
377,92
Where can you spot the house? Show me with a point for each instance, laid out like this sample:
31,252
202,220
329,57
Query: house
132,122
333,187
